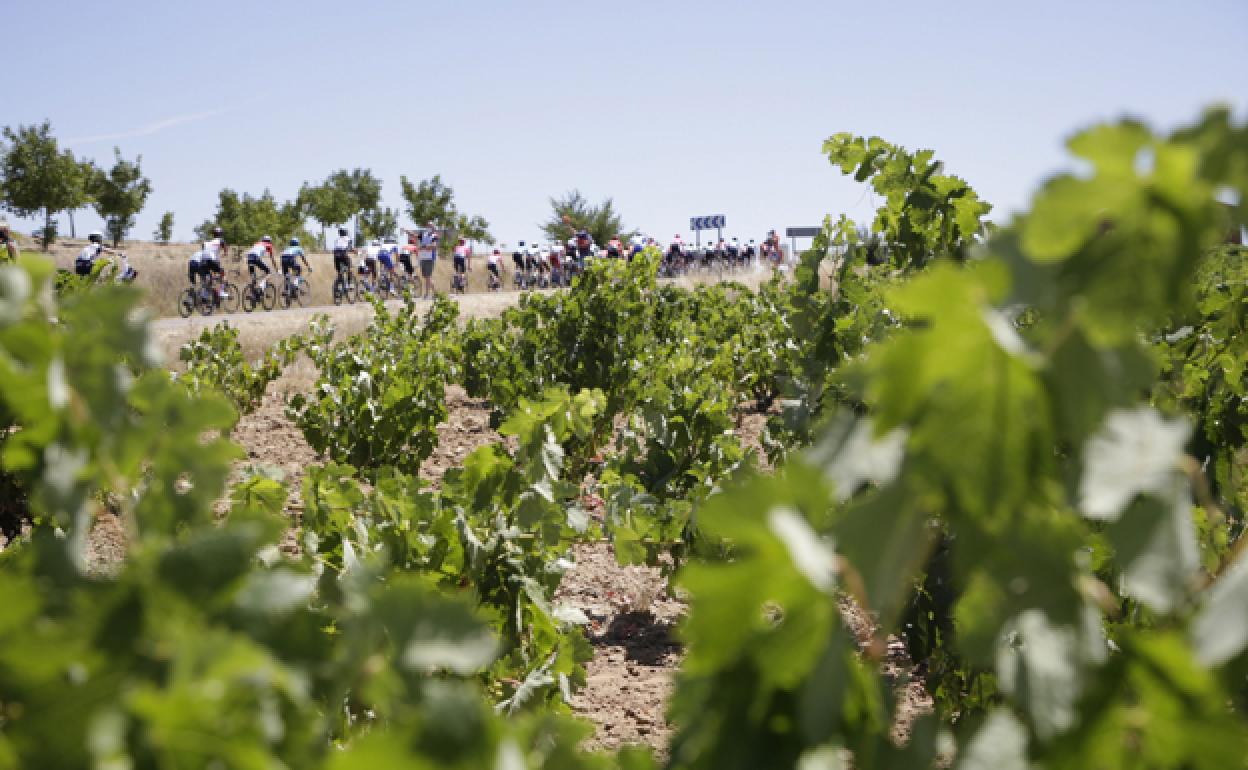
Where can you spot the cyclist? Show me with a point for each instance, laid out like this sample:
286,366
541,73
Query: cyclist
635,247
193,268
614,248
8,245
492,264
86,259
750,251
517,261
733,252
556,265
368,264
210,259
463,256
405,255
342,256
255,259
582,250
532,263
290,257
389,250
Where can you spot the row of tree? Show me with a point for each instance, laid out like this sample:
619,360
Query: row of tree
39,178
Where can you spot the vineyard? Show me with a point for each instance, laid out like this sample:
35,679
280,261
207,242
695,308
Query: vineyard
1004,464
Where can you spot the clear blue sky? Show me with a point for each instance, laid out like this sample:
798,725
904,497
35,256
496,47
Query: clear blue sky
673,108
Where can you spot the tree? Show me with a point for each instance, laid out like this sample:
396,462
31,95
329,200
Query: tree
430,200
245,219
164,230
82,193
362,188
327,204
38,177
573,212
379,222
118,195
474,228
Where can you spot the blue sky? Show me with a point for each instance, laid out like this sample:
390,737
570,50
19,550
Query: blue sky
673,108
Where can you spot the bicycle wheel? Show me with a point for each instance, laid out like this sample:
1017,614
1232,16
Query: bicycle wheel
340,290
249,297
207,300
352,291
230,302
187,302
301,294
268,297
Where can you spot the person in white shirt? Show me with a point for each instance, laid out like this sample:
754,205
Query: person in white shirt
493,263
342,253
428,256
210,254
85,262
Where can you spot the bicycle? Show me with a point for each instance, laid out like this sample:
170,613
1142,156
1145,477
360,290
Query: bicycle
495,282
294,290
345,288
209,296
458,283
259,293
390,282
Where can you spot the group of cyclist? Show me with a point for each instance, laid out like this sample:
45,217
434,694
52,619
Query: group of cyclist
205,264
535,265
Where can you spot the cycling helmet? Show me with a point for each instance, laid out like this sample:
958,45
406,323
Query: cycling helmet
96,236
342,231
217,232
582,234
374,242
294,241
266,239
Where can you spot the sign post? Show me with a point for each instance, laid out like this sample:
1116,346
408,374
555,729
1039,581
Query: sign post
698,224
793,233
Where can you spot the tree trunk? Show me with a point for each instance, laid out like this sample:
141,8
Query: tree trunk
73,232
47,228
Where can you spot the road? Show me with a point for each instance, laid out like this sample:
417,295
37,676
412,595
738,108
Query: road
260,329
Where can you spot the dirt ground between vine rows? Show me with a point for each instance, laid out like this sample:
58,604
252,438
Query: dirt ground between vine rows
633,616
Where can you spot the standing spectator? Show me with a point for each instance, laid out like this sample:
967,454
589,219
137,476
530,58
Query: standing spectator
8,246
428,255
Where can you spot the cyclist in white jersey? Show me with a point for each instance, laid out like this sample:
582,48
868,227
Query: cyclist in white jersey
210,257
85,262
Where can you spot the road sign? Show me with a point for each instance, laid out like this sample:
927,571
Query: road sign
802,232
707,223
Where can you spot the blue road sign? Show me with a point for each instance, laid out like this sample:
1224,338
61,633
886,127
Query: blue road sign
716,222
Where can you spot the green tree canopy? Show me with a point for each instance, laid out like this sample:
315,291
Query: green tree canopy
119,194
164,230
245,219
432,201
379,222
429,201
574,212
38,177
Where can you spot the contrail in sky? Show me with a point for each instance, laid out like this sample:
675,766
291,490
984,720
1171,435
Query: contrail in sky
152,128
